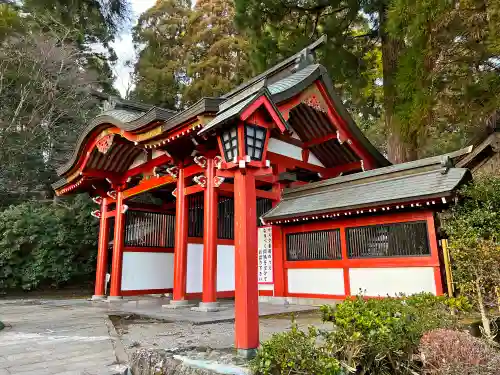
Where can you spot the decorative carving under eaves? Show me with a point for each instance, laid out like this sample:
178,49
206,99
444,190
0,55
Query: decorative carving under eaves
173,171
201,161
218,181
104,144
313,102
200,180
218,162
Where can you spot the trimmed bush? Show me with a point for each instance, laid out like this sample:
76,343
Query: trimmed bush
368,336
295,352
47,244
449,352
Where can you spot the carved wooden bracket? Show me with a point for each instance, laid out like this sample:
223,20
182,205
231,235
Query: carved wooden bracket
218,181
174,192
111,194
201,161
97,200
96,213
173,171
218,162
124,208
200,180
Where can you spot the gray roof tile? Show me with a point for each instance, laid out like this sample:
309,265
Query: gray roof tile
348,196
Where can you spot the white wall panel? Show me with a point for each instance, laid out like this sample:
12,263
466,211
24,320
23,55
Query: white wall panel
283,148
194,282
147,271
292,151
392,281
316,281
225,268
141,159
314,160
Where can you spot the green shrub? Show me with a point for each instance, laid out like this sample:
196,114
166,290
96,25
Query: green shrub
47,244
295,352
380,336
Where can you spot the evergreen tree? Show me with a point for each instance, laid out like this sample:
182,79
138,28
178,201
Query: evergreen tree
218,54
160,35
391,45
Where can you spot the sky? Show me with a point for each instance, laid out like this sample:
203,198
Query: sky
124,47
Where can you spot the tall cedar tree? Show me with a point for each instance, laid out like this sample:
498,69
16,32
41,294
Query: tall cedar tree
376,42
186,53
161,37
218,55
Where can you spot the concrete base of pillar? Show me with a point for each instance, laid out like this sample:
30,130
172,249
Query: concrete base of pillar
98,298
207,307
179,304
115,299
247,353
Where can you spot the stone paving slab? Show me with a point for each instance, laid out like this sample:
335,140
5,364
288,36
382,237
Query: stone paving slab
152,308
45,339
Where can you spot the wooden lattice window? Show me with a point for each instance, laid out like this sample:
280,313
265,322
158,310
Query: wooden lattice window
388,240
317,245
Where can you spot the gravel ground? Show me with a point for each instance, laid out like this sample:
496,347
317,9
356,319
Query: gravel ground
139,333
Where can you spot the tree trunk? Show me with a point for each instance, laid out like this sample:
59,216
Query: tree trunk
398,150
482,310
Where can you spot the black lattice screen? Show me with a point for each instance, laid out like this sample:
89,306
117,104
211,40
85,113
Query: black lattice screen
388,240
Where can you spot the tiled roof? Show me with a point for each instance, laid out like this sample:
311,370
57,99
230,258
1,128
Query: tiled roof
398,183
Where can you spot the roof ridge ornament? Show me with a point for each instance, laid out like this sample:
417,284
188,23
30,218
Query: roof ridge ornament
109,104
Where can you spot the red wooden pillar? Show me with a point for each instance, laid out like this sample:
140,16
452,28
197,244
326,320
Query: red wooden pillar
102,252
181,238
278,253
118,242
431,229
245,239
210,237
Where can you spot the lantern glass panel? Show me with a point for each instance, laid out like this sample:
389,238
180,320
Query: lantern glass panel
254,139
230,144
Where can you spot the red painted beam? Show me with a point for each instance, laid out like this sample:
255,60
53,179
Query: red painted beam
193,189
148,184
317,141
335,171
147,167
95,173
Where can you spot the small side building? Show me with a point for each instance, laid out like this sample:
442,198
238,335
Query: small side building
485,156
370,233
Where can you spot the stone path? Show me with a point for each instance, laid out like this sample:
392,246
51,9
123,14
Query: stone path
77,337
49,340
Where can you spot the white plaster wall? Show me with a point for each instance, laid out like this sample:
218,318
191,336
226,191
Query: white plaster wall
314,160
292,151
158,153
392,281
316,281
283,148
141,159
225,268
194,282
147,271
